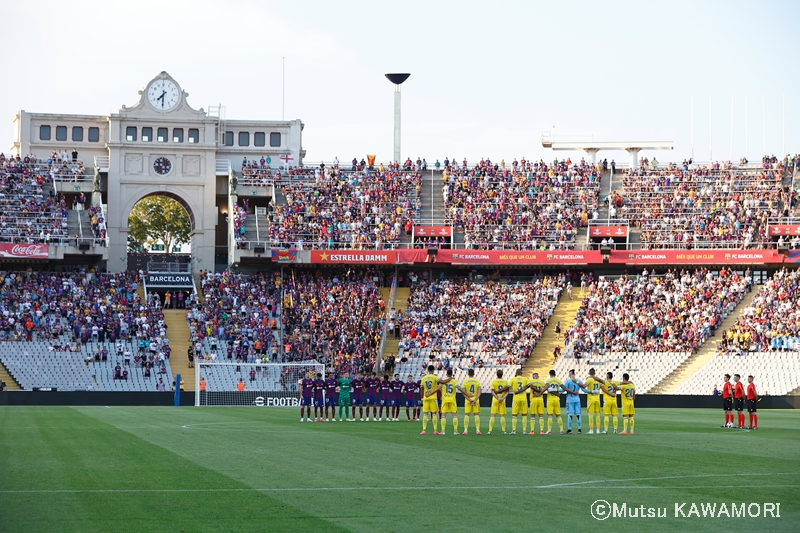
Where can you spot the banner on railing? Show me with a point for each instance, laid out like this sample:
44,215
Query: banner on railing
706,257
364,257
282,255
433,231
24,251
784,229
500,257
608,231
793,256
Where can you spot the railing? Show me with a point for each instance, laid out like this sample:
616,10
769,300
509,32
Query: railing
102,161
222,166
168,267
80,223
549,246
105,221
384,329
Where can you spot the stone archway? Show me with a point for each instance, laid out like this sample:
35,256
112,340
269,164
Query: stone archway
168,257
192,199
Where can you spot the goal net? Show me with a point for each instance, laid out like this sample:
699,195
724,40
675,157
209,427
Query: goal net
258,384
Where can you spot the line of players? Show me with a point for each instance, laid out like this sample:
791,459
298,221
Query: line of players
364,391
733,397
521,388
436,398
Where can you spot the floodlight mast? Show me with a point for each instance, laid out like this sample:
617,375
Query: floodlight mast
397,79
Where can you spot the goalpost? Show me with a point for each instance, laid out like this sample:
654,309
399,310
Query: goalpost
264,384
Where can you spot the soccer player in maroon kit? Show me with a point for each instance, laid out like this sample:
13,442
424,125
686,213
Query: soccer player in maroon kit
410,393
386,399
738,399
358,396
727,400
307,388
319,397
397,397
752,400
372,395
331,398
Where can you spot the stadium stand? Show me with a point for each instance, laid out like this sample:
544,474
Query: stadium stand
334,317
342,209
775,373
701,207
771,321
647,369
237,319
81,331
676,312
528,206
484,325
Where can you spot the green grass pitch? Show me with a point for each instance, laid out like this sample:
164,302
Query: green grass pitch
223,469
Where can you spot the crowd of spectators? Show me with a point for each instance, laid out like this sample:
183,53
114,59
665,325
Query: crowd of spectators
468,323
771,321
675,312
98,223
27,214
525,205
346,210
100,315
714,206
334,317
240,223
237,318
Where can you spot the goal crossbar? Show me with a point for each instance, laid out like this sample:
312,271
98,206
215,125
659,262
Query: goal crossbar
258,384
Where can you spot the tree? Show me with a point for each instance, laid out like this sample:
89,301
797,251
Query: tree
159,219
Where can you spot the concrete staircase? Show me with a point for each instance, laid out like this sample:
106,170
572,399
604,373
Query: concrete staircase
178,335
400,303
5,376
76,225
705,353
432,200
542,359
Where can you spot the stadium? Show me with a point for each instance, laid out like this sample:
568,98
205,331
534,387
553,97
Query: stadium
208,327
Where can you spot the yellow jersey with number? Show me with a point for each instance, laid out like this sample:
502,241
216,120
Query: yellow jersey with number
593,386
517,384
498,384
610,384
449,391
628,393
472,386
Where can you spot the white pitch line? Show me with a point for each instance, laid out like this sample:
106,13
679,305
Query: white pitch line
344,489
573,485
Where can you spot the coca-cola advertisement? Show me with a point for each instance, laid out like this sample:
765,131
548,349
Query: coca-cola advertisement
24,251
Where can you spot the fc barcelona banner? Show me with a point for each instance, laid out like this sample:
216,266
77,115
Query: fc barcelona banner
282,255
703,257
501,257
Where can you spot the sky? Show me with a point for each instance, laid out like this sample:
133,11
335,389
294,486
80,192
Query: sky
487,78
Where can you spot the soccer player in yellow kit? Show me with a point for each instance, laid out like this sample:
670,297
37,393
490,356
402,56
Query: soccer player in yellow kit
610,388
430,409
471,389
593,401
499,389
554,387
449,387
537,389
519,388
628,393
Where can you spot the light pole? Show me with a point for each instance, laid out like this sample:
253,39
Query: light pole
397,79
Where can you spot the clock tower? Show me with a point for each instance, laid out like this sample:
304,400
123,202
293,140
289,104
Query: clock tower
161,146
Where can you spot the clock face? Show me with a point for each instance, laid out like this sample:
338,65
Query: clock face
163,94
162,166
